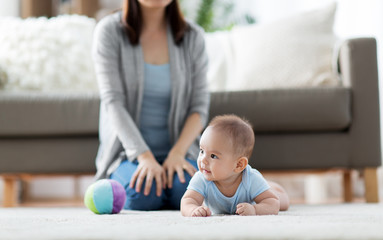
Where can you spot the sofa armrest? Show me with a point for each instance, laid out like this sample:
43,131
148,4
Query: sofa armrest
358,66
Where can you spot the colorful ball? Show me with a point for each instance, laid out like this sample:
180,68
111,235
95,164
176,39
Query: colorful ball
105,196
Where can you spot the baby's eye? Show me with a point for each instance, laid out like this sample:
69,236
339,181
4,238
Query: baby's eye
213,156
201,151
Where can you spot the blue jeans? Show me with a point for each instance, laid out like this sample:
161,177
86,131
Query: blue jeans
169,199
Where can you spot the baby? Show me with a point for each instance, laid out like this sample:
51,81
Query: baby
225,181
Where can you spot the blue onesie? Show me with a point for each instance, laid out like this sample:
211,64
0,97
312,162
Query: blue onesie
251,186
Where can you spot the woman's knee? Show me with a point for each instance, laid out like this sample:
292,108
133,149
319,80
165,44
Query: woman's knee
139,201
124,172
136,200
177,191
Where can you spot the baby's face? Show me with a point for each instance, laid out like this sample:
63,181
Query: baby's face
216,159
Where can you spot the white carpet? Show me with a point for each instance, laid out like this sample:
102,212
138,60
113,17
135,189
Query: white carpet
341,221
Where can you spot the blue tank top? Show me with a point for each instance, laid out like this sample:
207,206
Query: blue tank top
155,109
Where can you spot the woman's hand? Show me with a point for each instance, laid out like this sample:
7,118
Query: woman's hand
148,168
176,162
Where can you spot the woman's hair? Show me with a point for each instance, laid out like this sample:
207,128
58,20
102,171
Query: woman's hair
239,131
132,20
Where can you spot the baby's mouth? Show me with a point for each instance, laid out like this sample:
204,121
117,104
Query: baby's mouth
205,171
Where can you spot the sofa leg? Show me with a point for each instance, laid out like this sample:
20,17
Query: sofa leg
371,185
10,191
347,186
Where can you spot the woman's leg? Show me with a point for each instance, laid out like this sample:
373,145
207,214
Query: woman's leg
135,200
282,195
175,193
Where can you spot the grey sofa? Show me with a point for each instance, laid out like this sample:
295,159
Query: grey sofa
296,129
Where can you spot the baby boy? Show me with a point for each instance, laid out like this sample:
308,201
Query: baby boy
225,181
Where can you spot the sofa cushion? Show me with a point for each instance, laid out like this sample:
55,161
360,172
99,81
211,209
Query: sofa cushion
288,110
272,110
44,114
49,154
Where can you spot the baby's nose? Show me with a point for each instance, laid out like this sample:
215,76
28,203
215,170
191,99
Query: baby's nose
204,160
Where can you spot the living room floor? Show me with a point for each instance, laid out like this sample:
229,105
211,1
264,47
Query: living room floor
328,221
312,215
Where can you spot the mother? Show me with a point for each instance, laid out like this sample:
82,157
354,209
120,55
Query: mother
151,69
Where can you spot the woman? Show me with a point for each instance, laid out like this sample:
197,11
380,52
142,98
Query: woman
151,68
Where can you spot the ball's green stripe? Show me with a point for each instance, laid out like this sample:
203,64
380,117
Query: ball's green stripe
88,200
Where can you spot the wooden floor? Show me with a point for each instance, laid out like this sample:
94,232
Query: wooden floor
52,203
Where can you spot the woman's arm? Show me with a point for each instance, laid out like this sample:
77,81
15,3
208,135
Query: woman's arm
175,161
106,58
197,110
200,99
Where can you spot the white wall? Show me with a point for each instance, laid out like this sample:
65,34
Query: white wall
9,8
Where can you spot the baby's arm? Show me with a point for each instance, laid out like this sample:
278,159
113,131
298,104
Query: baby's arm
267,204
191,205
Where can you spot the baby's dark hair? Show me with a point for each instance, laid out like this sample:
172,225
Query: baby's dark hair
239,130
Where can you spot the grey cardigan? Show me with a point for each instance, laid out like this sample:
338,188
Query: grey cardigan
119,70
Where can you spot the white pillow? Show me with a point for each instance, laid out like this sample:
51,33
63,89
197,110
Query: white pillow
292,52
47,54
219,50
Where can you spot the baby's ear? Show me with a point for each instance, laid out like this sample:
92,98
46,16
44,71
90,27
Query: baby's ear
241,164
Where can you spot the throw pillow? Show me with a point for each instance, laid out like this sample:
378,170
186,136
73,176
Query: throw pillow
292,52
219,51
47,54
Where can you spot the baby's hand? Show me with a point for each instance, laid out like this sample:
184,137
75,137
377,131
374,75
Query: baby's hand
245,209
201,211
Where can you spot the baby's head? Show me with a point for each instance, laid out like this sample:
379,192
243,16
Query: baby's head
225,147
238,132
